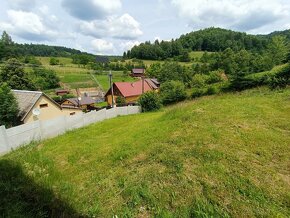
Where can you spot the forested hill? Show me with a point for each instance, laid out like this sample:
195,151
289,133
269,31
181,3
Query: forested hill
285,33
9,48
210,39
21,50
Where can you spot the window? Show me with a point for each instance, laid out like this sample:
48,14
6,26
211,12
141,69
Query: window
73,113
43,105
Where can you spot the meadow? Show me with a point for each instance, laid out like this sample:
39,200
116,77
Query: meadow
218,156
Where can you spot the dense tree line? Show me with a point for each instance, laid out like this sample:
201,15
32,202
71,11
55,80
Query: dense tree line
10,49
210,39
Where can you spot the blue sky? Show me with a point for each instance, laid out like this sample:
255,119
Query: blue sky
113,26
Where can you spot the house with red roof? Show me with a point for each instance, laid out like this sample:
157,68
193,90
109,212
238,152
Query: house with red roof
131,91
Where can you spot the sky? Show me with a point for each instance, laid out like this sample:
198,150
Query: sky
110,27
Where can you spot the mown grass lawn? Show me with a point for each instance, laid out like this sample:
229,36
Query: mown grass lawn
219,156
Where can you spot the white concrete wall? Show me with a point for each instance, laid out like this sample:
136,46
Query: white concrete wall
38,130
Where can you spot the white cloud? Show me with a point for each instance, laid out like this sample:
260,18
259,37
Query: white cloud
242,15
25,5
102,46
91,9
27,25
124,27
125,46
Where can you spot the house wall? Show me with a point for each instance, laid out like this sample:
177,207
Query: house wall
128,99
109,99
49,112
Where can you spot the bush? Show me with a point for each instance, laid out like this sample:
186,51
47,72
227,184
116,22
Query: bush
150,101
198,92
9,107
277,83
281,79
172,92
44,78
214,77
121,101
53,61
199,80
212,90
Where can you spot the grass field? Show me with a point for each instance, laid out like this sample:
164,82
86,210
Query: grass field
118,76
219,156
75,76
62,60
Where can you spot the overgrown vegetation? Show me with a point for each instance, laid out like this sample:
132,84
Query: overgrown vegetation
8,108
150,101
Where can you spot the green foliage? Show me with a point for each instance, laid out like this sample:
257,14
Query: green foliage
199,80
212,90
150,101
184,57
13,74
198,92
281,79
172,92
278,49
214,77
8,107
121,101
210,39
154,70
6,39
44,79
170,71
32,61
240,82
53,61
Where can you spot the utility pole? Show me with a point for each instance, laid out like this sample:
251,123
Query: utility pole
111,85
142,84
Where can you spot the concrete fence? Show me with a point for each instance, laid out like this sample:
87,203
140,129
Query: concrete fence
17,136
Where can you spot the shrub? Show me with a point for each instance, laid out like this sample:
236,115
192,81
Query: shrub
53,61
9,107
150,101
214,77
121,101
198,92
199,80
281,79
211,90
277,82
172,91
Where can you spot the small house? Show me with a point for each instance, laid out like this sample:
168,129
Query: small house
137,72
62,92
84,103
130,91
35,105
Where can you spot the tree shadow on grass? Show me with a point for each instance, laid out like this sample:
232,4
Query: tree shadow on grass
21,197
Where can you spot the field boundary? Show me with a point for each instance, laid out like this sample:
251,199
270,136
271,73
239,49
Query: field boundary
15,137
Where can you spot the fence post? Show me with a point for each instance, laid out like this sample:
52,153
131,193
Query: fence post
5,146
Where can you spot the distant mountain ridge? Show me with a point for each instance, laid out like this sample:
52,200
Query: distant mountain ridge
209,39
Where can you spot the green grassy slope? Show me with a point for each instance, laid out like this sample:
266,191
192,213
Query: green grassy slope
219,156
75,76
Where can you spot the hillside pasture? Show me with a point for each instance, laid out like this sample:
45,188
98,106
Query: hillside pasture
218,156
